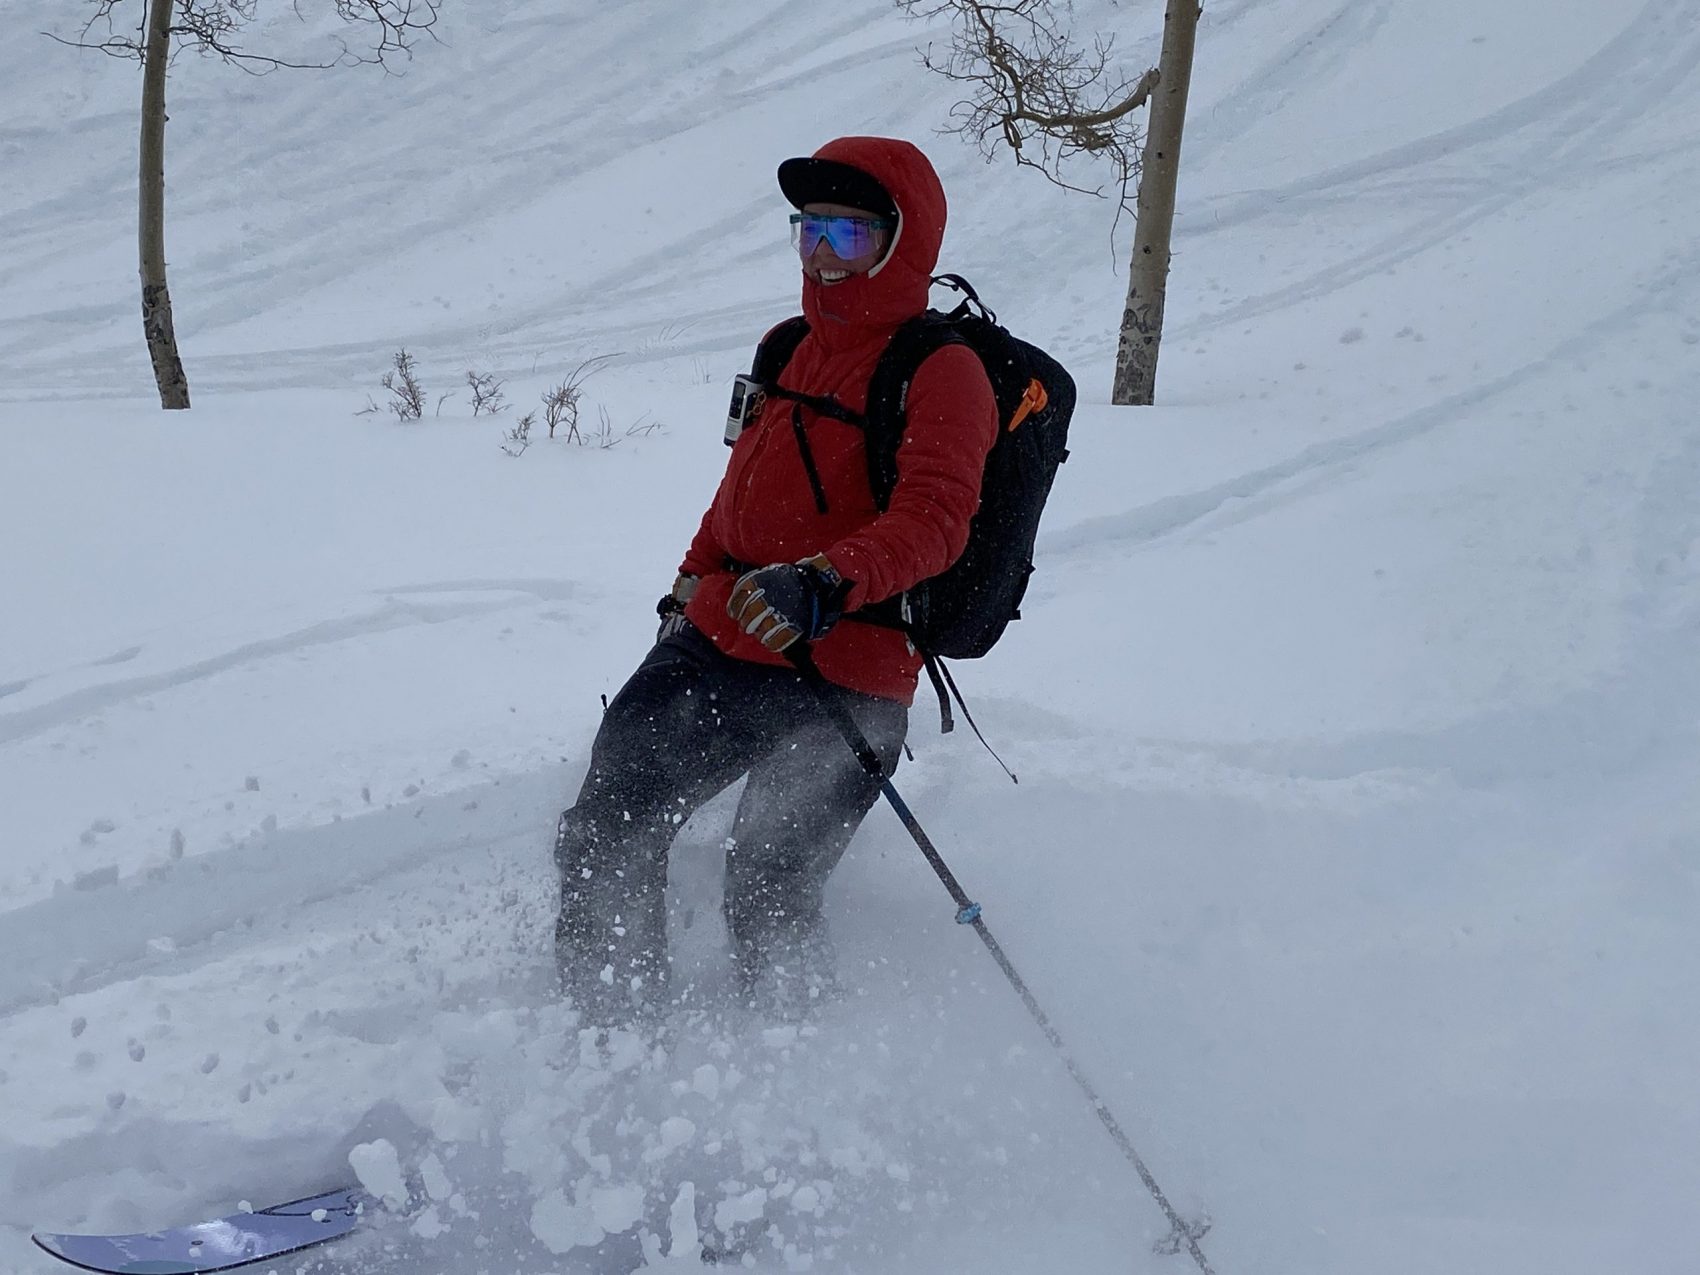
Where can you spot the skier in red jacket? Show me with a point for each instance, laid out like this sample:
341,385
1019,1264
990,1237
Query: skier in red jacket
790,548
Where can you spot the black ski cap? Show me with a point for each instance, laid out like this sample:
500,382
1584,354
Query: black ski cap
826,181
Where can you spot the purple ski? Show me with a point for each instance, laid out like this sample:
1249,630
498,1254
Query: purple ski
218,1245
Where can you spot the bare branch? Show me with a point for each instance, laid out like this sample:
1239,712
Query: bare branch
1031,89
213,28
398,23
117,46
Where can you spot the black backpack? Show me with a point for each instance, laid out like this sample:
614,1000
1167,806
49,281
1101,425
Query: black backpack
963,611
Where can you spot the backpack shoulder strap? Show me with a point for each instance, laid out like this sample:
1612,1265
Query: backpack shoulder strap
776,349
773,355
888,393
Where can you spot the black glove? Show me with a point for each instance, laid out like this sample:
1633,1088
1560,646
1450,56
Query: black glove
671,608
781,603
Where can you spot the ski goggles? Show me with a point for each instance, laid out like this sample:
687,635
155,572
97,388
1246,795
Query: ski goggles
850,238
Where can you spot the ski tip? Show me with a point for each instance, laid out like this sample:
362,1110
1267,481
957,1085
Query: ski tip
239,1239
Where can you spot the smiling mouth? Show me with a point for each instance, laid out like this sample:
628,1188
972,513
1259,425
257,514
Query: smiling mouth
834,276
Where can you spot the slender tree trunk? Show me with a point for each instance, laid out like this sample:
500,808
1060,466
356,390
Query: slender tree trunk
1148,272
150,220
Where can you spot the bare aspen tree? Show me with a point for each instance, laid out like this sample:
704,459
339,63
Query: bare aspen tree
213,28
1148,270
157,327
1049,101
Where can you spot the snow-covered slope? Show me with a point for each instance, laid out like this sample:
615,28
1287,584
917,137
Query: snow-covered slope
1357,706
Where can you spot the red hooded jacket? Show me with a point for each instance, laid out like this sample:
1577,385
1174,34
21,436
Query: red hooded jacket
765,510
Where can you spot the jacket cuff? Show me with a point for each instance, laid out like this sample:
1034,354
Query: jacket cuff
844,563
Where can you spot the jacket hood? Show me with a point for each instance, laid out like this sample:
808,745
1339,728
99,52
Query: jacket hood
896,289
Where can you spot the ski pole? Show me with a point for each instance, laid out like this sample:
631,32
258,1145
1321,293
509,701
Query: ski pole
968,913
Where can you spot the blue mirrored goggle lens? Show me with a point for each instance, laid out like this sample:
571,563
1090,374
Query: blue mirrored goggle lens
851,238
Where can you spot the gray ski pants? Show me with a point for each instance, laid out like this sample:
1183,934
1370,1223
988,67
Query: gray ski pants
687,724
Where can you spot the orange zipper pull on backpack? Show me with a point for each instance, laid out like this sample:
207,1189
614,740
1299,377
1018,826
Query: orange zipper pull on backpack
1034,400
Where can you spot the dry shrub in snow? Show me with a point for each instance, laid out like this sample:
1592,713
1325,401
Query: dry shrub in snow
517,439
407,395
487,396
560,408
606,436
561,404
